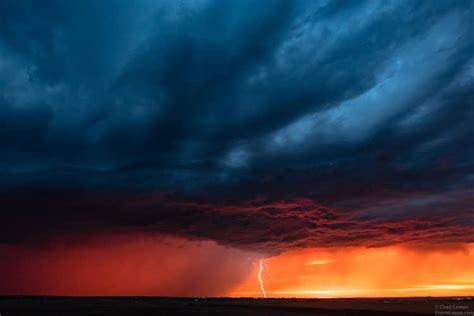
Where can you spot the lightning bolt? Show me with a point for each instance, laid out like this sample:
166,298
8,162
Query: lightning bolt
262,288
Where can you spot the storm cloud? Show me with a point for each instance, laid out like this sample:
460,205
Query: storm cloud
259,125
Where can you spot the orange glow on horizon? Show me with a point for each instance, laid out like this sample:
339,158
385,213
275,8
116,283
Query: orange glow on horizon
140,265
123,266
361,272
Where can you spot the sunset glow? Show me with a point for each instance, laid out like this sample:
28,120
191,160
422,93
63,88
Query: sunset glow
361,272
149,266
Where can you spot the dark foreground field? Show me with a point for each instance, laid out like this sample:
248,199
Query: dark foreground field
10,306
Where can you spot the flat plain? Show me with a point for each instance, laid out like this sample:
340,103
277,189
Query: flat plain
17,305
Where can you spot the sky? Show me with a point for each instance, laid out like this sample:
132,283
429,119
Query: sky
165,147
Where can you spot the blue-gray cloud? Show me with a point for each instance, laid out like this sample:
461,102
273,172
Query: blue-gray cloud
351,103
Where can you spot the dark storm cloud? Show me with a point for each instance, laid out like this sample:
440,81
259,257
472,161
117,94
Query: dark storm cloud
364,107
267,226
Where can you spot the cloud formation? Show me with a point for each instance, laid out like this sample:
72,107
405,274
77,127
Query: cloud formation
282,125
265,226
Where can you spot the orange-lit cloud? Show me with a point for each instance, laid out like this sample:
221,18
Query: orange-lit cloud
363,272
318,262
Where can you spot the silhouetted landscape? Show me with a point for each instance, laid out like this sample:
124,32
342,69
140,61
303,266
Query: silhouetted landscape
13,306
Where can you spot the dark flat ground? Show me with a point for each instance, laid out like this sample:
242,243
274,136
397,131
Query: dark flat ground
12,306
